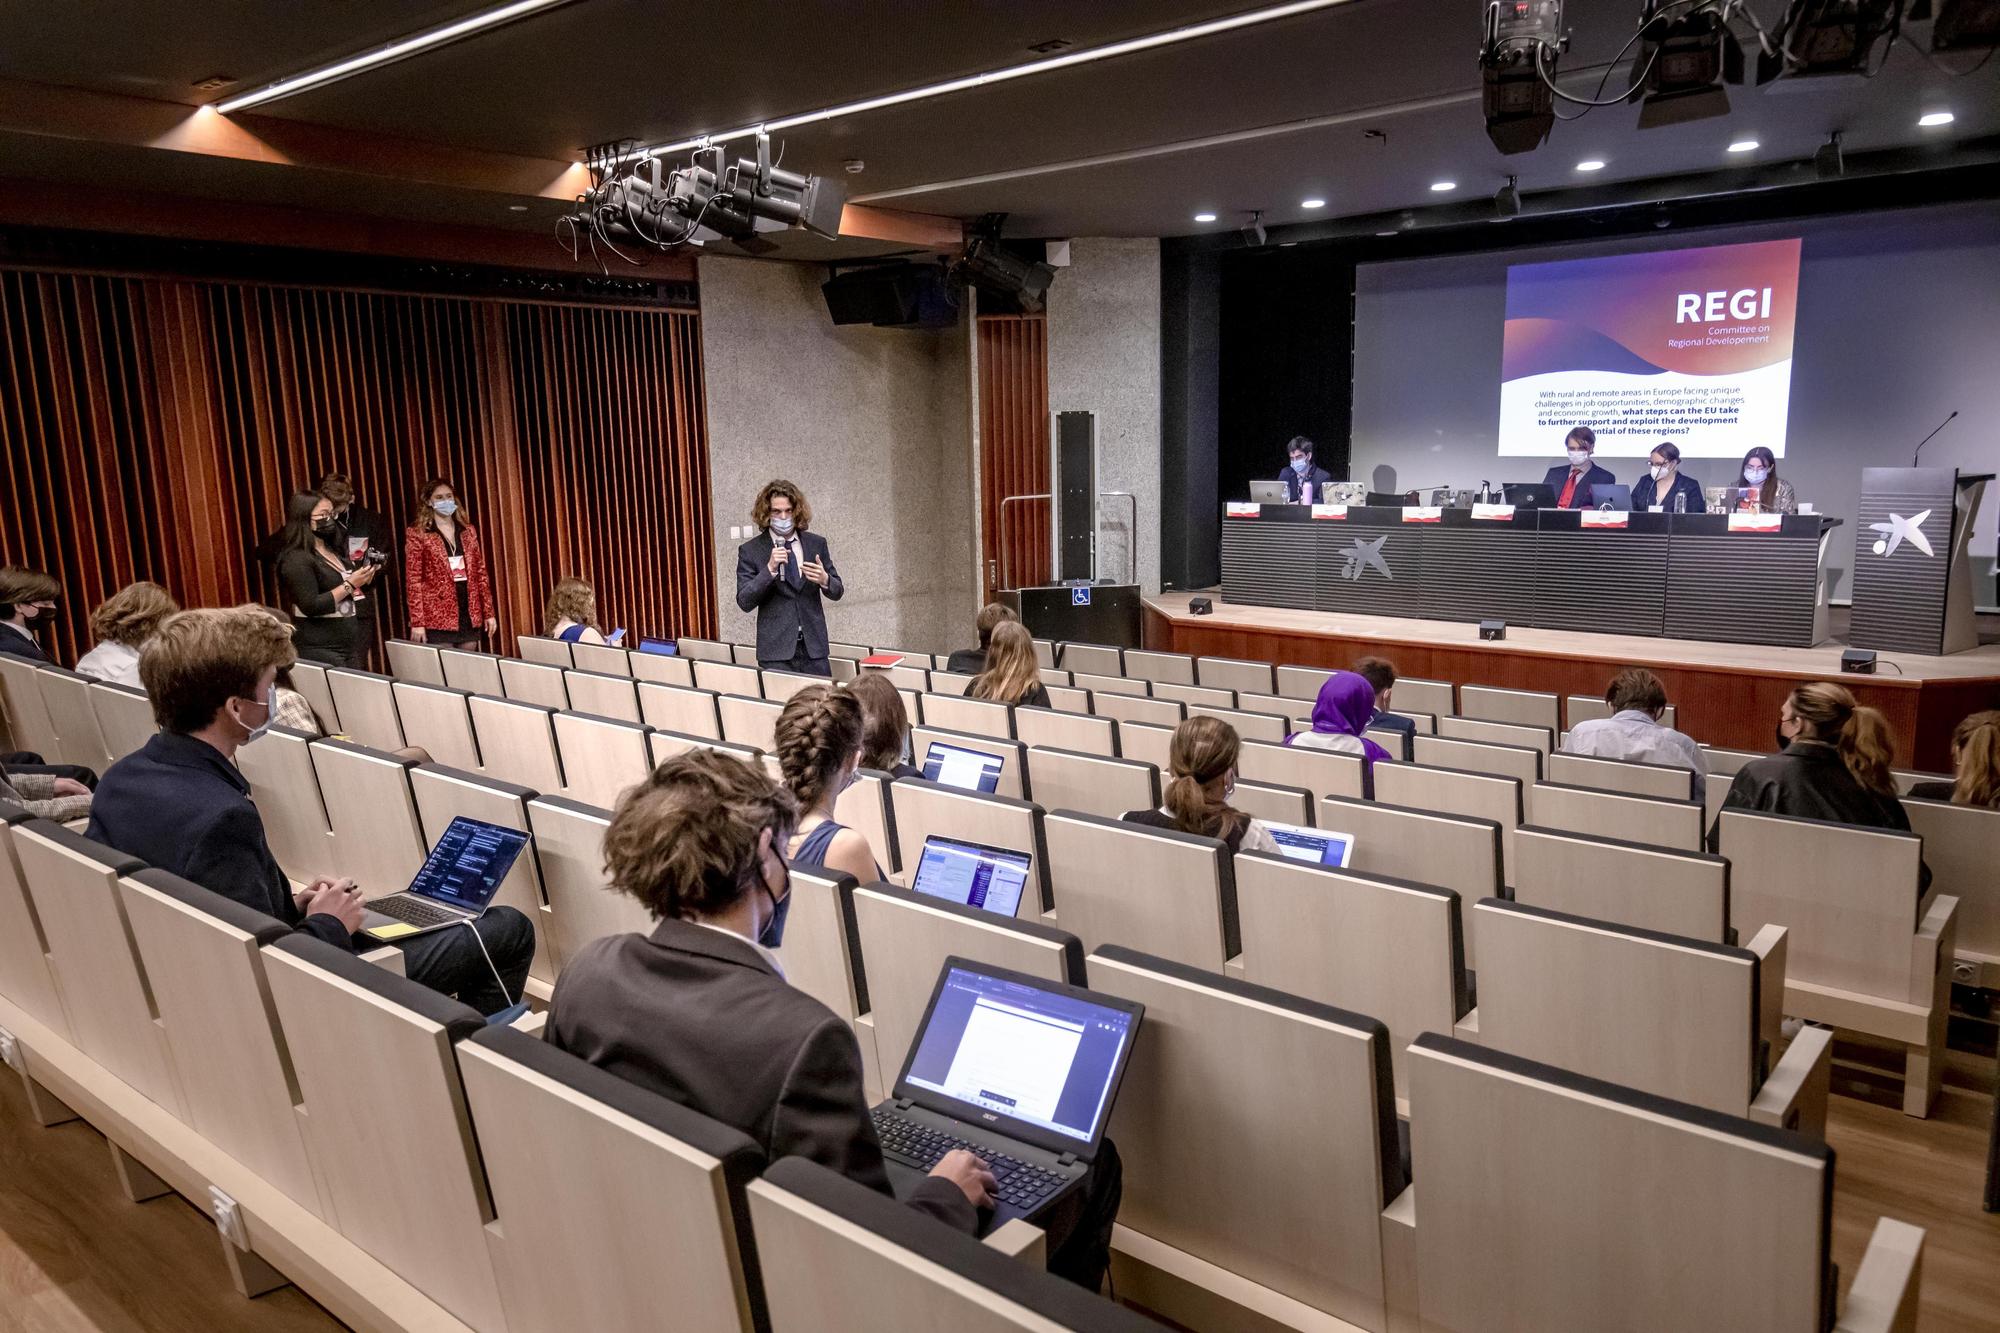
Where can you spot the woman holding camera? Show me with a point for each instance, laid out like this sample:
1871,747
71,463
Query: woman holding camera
319,585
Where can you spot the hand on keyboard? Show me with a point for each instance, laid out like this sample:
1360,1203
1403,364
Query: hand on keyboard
971,1175
1009,1180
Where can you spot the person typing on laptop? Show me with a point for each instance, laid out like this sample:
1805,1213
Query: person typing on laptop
178,803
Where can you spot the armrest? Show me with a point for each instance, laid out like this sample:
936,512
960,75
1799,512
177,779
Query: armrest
1931,950
1467,1028
1883,1298
1769,944
1794,1096
1021,1240
532,1023
389,958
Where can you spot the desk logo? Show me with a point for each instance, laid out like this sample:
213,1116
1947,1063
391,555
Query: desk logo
1899,530
1363,556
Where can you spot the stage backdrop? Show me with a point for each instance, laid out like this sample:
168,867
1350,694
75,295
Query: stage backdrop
1894,329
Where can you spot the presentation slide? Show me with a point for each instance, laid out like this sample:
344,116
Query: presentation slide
1693,346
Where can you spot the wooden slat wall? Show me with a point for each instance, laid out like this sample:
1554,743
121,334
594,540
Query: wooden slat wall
1014,447
152,428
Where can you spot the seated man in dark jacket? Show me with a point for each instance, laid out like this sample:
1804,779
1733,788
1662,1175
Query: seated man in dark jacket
179,803
972,661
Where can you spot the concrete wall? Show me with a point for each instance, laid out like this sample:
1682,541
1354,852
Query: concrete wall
873,424
1104,357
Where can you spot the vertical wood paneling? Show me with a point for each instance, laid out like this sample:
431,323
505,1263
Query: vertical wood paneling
1014,447
153,427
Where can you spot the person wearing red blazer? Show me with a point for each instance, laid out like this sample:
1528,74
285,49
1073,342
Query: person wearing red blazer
444,572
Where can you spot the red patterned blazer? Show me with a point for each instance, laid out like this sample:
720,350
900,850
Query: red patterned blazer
427,578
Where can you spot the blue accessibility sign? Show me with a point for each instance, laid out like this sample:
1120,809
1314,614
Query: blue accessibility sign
1079,597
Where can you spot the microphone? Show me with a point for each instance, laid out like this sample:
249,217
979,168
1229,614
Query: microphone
1928,438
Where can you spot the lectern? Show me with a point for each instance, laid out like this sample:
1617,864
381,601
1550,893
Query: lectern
1912,576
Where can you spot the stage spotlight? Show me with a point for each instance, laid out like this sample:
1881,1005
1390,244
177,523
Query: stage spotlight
1829,37
1517,62
1507,201
987,264
1827,162
1687,59
1966,25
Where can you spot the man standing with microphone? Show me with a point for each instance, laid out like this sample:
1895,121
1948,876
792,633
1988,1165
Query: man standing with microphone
782,574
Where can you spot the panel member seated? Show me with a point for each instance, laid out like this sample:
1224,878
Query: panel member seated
1766,493
179,803
1572,481
1665,488
1305,481
1638,700
972,661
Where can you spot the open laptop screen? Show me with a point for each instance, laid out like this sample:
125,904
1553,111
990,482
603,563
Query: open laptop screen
466,867
1022,1054
972,874
1319,846
664,647
972,770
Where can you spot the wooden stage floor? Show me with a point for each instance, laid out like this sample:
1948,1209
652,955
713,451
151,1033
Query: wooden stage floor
1727,693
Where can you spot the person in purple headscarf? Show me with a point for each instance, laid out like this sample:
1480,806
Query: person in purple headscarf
1341,715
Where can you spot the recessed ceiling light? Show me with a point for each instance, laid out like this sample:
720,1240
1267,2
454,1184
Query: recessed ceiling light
1933,118
1204,217
1744,146
1590,164
1439,187
517,208
1312,203
1385,233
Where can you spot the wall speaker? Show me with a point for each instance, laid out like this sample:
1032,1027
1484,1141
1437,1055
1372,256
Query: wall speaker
1492,629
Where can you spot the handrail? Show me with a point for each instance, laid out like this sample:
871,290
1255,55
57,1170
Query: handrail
1131,540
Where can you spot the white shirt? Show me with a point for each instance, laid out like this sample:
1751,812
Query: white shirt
1635,735
114,662
762,952
1330,740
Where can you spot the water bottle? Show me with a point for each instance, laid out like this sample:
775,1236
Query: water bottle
1680,502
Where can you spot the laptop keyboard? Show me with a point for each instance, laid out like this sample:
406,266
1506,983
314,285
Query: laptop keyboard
416,911
1022,1185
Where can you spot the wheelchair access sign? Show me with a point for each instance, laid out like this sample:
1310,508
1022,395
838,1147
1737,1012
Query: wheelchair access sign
1079,597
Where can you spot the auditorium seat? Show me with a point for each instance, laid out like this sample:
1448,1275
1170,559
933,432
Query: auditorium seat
604,658
982,717
1093,659
534,683
905,939
366,703
438,721
1051,676
1959,847
926,809
1259,1143
1399,744
1274,801
1422,846
1149,743
309,679
28,722
852,651
607,1198
1666,1014
1447,791
1435,697
1160,668
743,654
1667,781
1091,783
601,757
1057,729
443,794
1905,779
1594,873
377,841
418,663
1526,708
1615,814
914,660
1191,695
1229,673
1068,698
549,652
26,976
124,716
204,967
1096,684
866,808
1388,947
1582,708
80,740
603,694
1301,682
705,650
517,742
1013,755
1500,733
477,673
725,678
1126,707
951,682
1296,712
1271,727
690,711
664,745
662,668
779,686
913,703
749,721
1723,766
284,787
569,846
1862,951
384,1118
859,1262
1168,893
1547,1193
1321,772
1045,653
1520,762
822,957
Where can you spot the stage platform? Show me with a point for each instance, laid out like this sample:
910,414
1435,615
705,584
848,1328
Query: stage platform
1727,693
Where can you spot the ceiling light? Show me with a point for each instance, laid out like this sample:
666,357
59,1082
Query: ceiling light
517,208
1744,146
1151,41
1312,203
1590,164
1934,118
1439,187
1204,217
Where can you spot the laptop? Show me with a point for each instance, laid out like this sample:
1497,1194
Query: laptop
455,884
970,770
663,647
1616,496
1530,495
1269,493
972,874
1322,847
1019,1070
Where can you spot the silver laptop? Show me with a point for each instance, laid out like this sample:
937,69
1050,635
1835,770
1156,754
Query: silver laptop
1269,493
1319,846
455,884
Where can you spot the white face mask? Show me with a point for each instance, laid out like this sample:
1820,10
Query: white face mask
1660,472
1577,458
270,716
1756,475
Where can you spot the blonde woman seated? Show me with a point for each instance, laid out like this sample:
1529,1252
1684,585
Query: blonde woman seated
572,612
121,625
1012,675
1975,759
1202,758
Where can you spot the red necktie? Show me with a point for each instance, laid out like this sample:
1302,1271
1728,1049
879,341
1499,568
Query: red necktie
1569,492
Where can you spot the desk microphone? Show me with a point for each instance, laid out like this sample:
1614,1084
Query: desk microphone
1928,438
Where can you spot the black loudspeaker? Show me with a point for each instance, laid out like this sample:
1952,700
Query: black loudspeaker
892,296
1200,606
1492,629
1858,661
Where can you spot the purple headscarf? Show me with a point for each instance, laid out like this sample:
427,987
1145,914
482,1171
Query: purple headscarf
1345,707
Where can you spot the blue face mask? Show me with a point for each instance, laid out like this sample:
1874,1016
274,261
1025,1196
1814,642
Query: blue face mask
1299,465
445,507
772,936
781,526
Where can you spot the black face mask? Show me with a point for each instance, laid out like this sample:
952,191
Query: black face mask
324,528
1782,742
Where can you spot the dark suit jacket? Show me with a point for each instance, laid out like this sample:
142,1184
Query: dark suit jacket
16,644
1318,476
698,1016
1642,494
1597,476
966,661
784,612
178,805
1396,722
1811,781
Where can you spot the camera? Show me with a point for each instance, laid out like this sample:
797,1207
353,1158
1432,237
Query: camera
375,557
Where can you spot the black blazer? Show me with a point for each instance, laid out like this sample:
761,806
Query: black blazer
16,644
785,612
309,583
1642,494
699,1017
179,806
1811,781
1396,722
1559,476
966,661
1318,476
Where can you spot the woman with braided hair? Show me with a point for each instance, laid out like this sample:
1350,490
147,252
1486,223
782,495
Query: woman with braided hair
819,746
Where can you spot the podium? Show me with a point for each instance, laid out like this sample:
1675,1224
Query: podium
1912,574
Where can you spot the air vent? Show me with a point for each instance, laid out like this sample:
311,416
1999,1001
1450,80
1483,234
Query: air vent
1051,46
214,83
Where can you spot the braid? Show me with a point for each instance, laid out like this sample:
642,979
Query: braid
818,730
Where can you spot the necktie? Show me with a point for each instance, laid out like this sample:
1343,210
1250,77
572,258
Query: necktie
792,572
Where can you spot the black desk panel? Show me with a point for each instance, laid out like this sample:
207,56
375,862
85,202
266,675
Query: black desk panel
1371,563
1601,580
1744,587
1479,569
1272,562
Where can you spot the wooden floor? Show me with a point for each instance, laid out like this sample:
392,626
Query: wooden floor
76,1255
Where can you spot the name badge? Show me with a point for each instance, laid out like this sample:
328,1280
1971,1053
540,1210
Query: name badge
1422,513
457,568
1756,522
1600,518
356,547
1336,512
1238,509
1493,511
